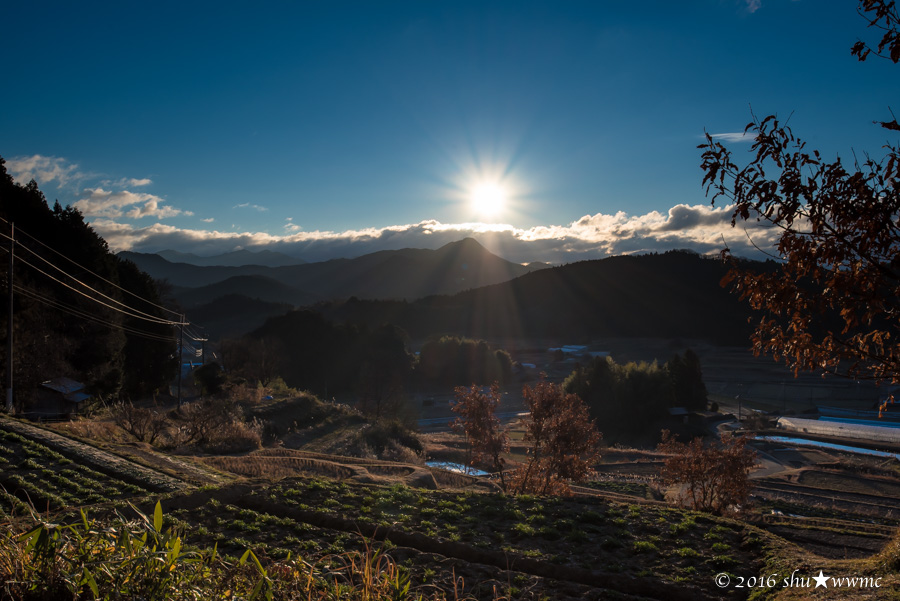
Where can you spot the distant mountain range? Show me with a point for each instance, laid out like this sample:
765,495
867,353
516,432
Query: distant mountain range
392,274
465,290
671,295
236,258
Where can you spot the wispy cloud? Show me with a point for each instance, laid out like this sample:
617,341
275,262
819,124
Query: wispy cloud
44,170
735,137
753,5
109,204
108,198
247,205
208,220
128,182
702,228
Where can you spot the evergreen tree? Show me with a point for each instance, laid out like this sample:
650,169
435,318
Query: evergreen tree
61,327
686,377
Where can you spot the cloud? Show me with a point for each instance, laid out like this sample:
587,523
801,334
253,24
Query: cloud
684,217
735,137
43,170
152,208
208,220
246,205
109,204
753,5
110,199
128,182
704,229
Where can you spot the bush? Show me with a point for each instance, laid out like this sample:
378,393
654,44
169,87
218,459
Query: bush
210,378
218,425
144,424
235,437
564,441
889,558
716,476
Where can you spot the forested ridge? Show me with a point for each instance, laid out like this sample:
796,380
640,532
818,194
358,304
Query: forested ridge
670,295
79,311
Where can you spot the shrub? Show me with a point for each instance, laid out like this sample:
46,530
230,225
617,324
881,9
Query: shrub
716,476
477,410
563,440
144,424
235,437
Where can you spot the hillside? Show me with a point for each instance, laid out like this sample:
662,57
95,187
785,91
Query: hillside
235,258
671,295
406,274
304,513
253,286
234,314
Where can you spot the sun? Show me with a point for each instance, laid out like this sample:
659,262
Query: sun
488,199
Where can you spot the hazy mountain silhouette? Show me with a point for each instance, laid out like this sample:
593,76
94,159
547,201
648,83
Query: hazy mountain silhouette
234,315
252,286
404,274
676,294
236,258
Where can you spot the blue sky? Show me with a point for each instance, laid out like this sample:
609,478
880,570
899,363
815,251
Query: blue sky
328,129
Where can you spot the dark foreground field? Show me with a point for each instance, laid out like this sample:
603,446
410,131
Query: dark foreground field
456,536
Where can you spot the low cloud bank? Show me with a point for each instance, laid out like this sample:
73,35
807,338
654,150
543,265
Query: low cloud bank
703,229
106,205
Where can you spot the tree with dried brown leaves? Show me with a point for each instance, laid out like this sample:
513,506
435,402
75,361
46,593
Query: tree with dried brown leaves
564,441
477,411
834,303
144,424
714,477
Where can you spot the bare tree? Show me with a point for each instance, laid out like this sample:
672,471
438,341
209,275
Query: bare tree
715,476
477,410
564,441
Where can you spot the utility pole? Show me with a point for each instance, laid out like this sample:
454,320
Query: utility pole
9,331
180,357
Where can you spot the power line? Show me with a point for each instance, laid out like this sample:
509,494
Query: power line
194,336
149,317
118,302
153,320
100,277
88,316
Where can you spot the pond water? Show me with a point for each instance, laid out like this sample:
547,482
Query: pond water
827,445
459,468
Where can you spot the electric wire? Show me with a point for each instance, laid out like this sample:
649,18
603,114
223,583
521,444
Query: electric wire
153,318
193,335
39,270
88,316
125,329
100,277
146,316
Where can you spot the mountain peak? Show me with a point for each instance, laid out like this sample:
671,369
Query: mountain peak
466,243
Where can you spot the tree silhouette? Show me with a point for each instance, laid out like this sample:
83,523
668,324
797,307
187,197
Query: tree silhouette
564,441
477,411
686,378
625,399
59,332
385,369
834,303
715,476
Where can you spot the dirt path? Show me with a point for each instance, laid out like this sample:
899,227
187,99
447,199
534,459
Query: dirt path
98,459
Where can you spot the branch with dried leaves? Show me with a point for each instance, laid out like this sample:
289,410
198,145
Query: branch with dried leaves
833,304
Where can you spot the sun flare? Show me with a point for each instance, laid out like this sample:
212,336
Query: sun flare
488,199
